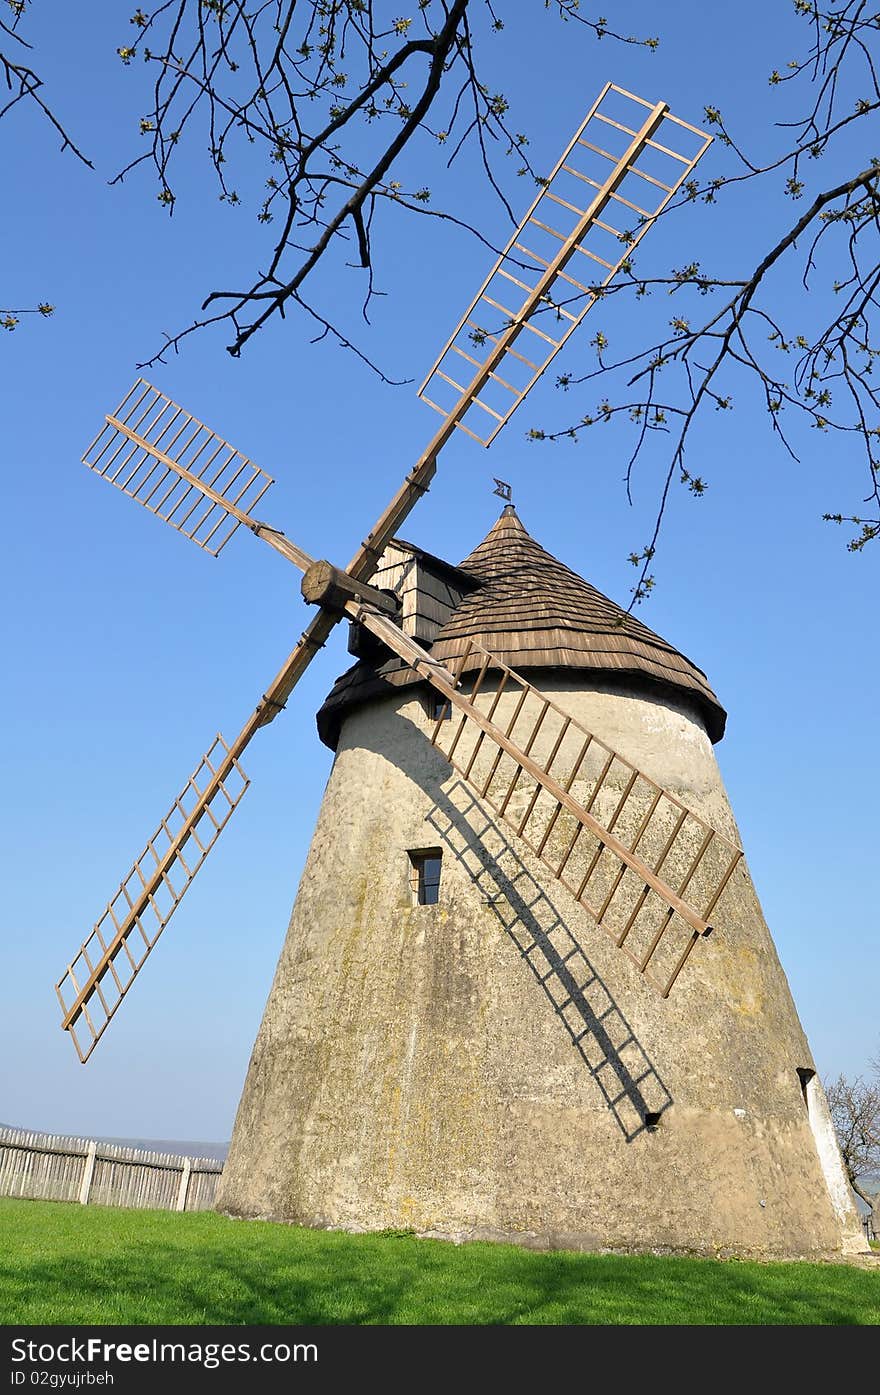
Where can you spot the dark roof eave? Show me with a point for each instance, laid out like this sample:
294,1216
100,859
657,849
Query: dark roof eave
375,684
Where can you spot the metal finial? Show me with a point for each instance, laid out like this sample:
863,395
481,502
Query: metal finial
503,490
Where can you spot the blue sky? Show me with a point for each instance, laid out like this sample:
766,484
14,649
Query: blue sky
127,648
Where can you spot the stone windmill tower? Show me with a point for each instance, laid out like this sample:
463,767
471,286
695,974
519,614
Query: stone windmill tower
450,1044
491,1016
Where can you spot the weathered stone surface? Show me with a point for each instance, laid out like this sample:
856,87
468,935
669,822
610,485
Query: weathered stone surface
484,1067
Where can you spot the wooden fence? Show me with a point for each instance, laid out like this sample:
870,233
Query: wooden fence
51,1167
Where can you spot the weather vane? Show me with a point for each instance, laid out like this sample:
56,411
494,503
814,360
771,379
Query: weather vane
503,490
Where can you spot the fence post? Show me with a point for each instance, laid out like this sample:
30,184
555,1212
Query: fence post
184,1184
89,1172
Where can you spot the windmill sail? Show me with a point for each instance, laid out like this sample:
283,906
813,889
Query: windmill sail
107,963
647,869
594,209
175,466
530,304
102,971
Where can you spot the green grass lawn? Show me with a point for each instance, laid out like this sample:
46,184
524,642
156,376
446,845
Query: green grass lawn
68,1264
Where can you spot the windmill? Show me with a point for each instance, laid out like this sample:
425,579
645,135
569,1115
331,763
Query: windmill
632,855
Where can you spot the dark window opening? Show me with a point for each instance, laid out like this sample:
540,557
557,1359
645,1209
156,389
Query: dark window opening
805,1075
425,876
439,707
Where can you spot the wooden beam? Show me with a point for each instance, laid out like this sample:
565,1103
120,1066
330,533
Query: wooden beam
444,682
326,585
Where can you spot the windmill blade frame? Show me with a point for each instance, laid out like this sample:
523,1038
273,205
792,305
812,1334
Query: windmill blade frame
622,879
113,954
154,897
488,321
166,460
102,971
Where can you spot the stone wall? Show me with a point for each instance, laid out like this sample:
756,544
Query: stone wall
493,1066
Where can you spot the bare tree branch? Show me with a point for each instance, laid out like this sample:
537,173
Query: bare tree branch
310,84
855,1113
23,84
330,95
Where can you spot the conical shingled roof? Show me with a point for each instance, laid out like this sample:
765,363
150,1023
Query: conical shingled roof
535,613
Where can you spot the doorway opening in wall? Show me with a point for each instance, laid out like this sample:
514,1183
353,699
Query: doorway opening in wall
424,875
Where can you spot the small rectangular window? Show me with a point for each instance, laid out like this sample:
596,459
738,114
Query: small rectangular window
439,707
425,876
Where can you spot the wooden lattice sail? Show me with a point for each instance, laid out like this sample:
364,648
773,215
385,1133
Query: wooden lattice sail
592,211
648,869
98,978
175,466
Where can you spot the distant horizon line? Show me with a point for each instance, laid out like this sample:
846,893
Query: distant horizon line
188,1147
